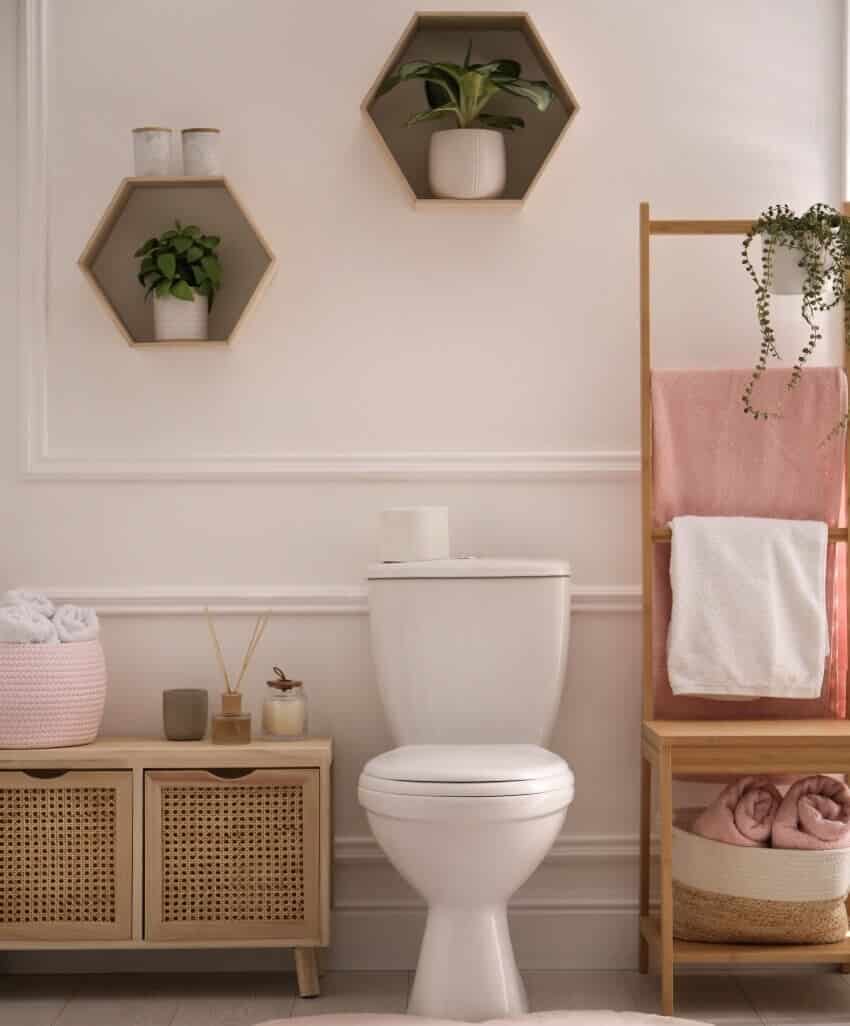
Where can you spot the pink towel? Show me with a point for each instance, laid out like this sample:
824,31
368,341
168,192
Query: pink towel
711,459
742,813
814,815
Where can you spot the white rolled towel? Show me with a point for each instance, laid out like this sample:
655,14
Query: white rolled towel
76,623
24,625
33,599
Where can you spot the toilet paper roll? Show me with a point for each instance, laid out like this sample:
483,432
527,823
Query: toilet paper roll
413,533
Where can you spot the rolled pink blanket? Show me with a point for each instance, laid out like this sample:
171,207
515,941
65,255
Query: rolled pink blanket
741,814
814,815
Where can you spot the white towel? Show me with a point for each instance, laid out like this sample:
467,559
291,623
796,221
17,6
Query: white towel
34,599
23,624
76,623
749,607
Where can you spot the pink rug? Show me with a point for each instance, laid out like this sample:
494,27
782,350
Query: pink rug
550,1018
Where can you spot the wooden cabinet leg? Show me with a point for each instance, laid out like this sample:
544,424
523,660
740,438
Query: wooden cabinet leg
645,822
307,970
665,796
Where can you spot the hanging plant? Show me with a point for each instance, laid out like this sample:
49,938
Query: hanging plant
820,239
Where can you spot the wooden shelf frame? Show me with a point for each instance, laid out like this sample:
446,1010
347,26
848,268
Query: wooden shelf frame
140,755
470,22
711,747
111,218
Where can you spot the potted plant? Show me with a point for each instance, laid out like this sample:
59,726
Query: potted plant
468,161
181,270
808,255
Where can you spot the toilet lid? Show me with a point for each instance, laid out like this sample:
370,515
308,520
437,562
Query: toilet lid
467,770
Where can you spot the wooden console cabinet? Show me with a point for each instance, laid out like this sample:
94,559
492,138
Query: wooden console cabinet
145,843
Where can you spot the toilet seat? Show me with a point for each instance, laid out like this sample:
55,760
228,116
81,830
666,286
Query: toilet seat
467,771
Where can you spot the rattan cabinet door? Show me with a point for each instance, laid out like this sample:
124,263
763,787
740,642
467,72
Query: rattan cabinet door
232,857
66,855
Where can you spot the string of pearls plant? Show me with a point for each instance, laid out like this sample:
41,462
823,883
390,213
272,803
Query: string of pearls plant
820,238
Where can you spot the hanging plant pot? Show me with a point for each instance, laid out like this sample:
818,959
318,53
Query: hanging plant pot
788,275
467,163
180,318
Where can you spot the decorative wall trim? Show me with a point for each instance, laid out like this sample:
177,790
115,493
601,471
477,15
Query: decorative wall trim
312,600
42,461
45,464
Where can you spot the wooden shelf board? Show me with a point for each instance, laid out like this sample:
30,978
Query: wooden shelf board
692,953
758,732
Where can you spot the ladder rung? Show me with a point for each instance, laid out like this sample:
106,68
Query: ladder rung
664,534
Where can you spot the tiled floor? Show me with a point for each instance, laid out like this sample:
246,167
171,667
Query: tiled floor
242,999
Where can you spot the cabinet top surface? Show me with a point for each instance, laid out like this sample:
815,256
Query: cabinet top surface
158,751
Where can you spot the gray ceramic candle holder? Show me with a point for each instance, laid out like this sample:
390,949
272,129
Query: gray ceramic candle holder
184,714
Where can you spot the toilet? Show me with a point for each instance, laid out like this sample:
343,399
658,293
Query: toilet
470,656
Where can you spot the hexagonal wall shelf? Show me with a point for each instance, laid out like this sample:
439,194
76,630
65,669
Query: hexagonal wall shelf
143,207
441,36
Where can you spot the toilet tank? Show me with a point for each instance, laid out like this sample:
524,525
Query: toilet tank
470,650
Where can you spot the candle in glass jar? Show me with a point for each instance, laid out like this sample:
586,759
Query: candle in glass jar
285,709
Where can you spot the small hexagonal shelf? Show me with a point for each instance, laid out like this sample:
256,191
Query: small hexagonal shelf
445,37
143,207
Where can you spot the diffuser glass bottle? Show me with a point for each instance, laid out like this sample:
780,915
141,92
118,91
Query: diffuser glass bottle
232,726
285,708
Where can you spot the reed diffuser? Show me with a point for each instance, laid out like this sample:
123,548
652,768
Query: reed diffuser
232,726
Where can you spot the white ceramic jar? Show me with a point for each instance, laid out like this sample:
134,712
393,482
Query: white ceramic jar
467,163
151,151
787,273
178,319
201,151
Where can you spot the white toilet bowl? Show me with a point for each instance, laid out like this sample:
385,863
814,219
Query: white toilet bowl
466,825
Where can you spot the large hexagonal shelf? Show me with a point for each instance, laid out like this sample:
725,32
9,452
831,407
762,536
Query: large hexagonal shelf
143,207
444,37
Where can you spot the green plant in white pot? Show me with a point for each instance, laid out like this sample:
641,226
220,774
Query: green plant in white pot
468,161
806,255
180,269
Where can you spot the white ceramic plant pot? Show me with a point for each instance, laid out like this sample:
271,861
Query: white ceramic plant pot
179,318
151,151
467,163
787,273
201,151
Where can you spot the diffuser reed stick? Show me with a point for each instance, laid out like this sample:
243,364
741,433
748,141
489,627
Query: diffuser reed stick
218,652
256,636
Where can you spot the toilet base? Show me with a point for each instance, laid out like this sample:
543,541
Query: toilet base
467,968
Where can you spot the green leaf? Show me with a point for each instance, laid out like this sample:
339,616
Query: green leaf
163,287
170,234
209,241
538,93
468,54
507,121
498,69
180,290
152,286
199,273
211,265
194,253
147,264
182,243
433,115
206,289
192,230
146,248
167,263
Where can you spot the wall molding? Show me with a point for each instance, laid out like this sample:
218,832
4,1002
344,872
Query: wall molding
285,600
42,461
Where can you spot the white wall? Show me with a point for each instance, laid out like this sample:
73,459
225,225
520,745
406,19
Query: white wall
478,358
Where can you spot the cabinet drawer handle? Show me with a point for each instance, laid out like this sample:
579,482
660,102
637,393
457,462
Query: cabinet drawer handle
45,774
230,774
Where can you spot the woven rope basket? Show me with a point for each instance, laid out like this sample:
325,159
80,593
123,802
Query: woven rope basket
725,893
51,695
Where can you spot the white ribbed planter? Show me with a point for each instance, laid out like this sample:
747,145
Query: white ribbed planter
723,892
467,163
179,318
51,695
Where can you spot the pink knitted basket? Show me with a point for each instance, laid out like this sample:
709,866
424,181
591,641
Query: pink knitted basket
51,695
